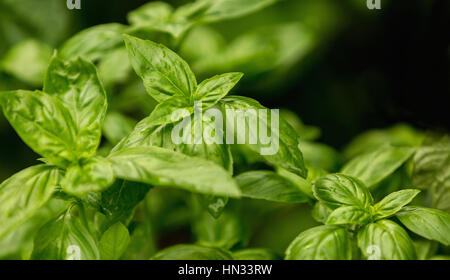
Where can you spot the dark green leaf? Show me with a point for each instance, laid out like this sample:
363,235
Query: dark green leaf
192,252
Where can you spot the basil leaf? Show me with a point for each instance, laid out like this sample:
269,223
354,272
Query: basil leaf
223,232
317,155
286,155
93,43
352,215
192,252
392,203
31,55
226,9
215,205
164,73
77,85
89,175
304,185
162,17
269,186
117,126
432,170
24,193
114,242
66,238
119,201
43,123
171,110
159,166
210,91
385,240
321,243
115,67
373,167
430,223
341,190
254,254
147,134
321,212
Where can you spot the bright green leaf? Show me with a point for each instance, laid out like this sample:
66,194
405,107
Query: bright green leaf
352,215
114,242
392,203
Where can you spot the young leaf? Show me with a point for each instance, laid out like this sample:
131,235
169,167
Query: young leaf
321,211
341,190
373,167
43,123
164,73
254,254
269,186
159,166
321,243
430,223
192,252
352,215
94,43
286,155
210,91
385,240
77,85
215,205
25,193
89,175
392,203
114,242
66,238
171,110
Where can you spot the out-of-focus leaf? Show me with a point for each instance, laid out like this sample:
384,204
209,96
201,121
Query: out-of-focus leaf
254,254
114,242
269,186
321,212
319,155
114,67
321,243
373,167
27,61
192,252
305,132
226,9
117,126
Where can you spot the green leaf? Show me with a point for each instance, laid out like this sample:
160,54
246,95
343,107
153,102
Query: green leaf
430,223
341,190
27,61
385,240
282,150
373,167
432,170
352,215
171,110
210,91
94,43
269,186
66,238
159,166
303,184
192,252
114,242
226,9
162,17
215,205
392,203
43,123
223,232
254,254
305,132
117,126
115,67
317,155
77,85
25,193
321,243
89,175
164,73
